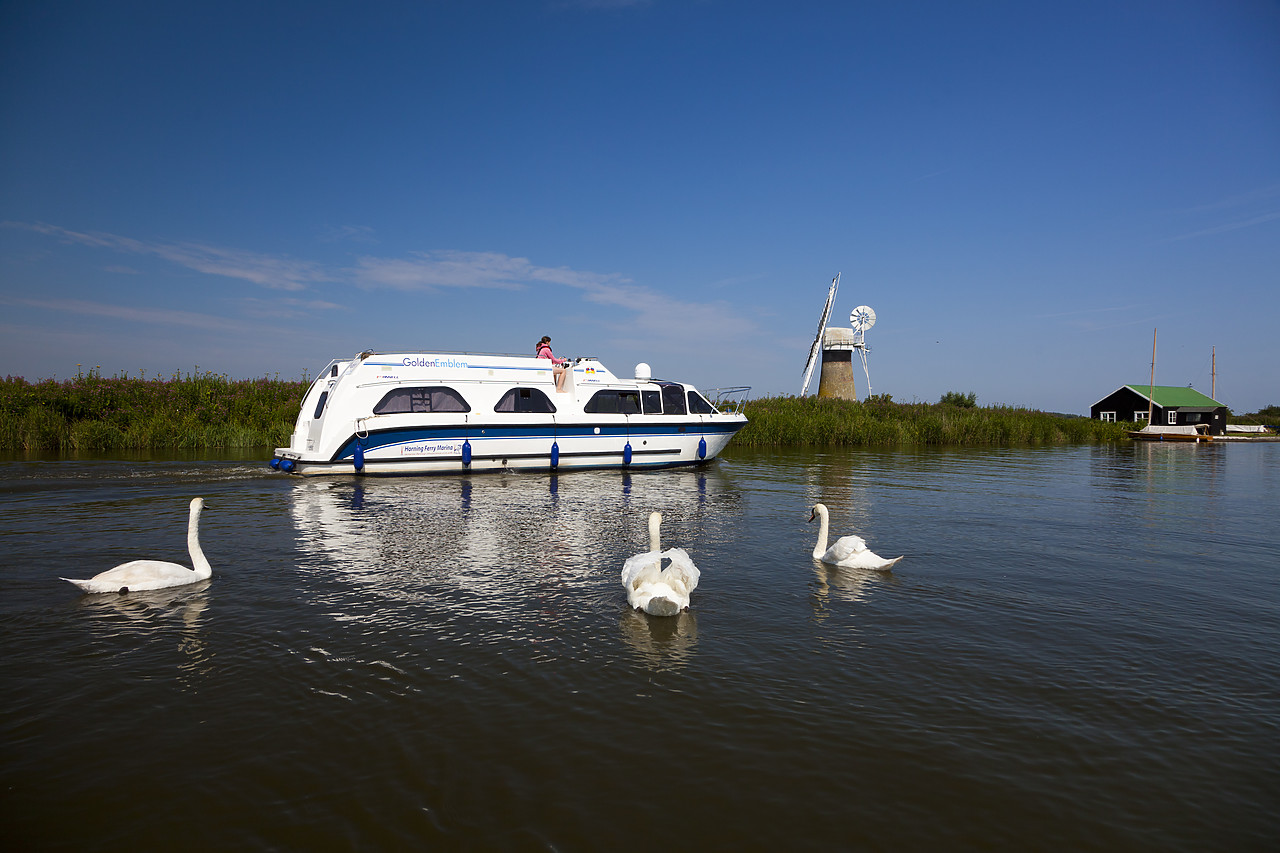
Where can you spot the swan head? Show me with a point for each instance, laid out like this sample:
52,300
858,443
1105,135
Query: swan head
819,510
197,504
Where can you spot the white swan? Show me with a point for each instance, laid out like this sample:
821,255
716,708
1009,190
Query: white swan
137,575
653,589
850,551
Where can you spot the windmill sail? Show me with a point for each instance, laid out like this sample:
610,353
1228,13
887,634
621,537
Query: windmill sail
817,342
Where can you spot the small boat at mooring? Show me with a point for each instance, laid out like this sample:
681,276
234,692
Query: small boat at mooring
1187,432
442,413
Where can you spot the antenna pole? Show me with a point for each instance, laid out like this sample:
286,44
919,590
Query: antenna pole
1151,396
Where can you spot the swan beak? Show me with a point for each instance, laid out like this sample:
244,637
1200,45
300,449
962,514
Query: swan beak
813,515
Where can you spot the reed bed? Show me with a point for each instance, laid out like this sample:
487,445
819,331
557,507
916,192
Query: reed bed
814,422
198,411
207,411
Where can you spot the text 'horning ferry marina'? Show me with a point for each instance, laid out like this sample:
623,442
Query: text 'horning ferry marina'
440,413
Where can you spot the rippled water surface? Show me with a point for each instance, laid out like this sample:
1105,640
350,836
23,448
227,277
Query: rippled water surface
1081,650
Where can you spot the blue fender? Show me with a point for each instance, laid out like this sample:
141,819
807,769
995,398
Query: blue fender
466,453
275,463
555,454
287,466
359,456
702,448
626,454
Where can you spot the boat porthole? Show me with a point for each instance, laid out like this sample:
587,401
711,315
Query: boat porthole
597,430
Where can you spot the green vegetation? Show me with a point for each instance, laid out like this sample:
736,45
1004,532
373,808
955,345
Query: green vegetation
199,411
1265,415
955,398
205,411
879,422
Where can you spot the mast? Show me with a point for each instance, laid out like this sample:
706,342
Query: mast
1152,395
1213,374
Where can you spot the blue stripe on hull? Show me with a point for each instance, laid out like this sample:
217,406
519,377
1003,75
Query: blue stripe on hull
377,440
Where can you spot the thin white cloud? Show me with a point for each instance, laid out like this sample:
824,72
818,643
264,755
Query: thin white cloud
340,233
266,270
157,316
652,315
431,270
1264,194
1229,226
285,309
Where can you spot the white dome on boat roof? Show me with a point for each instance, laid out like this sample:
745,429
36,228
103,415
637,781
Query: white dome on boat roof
643,372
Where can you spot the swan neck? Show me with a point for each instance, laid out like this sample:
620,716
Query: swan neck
198,560
655,523
821,548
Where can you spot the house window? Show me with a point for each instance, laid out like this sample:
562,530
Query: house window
1139,416
525,400
415,400
1109,417
1172,416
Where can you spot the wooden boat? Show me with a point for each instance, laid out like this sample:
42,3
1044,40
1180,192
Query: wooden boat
1196,433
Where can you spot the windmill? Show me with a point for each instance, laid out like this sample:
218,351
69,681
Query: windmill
837,346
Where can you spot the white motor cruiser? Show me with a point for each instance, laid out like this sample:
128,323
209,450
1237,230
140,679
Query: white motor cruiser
442,413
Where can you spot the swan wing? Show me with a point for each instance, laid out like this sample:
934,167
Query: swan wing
682,575
138,575
869,560
641,566
845,548
639,575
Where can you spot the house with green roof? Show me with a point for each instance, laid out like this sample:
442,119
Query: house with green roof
1170,405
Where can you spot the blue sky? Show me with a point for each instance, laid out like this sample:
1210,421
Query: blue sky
1022,191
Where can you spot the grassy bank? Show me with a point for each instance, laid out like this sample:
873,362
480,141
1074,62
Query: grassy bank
198,411
206,411
811,422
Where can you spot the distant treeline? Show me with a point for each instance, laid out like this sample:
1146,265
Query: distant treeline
879,422
198,411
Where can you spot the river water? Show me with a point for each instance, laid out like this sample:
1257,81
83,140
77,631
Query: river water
1081,651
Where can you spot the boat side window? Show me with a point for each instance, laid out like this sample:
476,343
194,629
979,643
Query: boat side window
614,403
525,400
652,402
698,404
435,398
673,399
324,396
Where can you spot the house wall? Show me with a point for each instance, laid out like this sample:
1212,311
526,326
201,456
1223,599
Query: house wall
1124,403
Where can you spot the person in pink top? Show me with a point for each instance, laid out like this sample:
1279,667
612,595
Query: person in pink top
557,364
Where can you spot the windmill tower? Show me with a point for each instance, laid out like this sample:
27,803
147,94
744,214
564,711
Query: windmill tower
837,347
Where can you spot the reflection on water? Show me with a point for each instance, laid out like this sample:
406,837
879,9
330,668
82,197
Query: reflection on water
509,548
158,611
660,642
844,584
